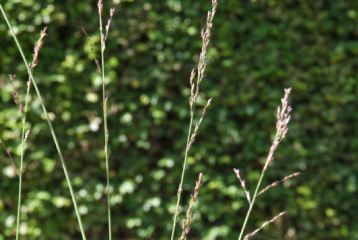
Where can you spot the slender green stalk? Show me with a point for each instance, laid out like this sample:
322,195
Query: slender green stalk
105,128
182,174
20,183
106,151
21,162
251,205
49,124
190,140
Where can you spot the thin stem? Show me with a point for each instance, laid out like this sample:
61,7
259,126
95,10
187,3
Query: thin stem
251,205
21,162
254,197
105,126
49,124
183,173
188,145
185,160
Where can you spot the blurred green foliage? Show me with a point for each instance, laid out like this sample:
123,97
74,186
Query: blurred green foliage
257,49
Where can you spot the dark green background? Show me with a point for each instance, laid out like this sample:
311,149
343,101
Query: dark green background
258,48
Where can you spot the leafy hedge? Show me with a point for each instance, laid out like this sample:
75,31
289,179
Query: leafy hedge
257,49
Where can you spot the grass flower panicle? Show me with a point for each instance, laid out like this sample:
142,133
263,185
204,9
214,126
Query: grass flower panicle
274,184
283,118
194,93
247,236
243,185
190,213
196,78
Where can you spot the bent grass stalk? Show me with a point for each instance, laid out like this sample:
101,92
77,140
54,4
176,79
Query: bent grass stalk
205,35
49,124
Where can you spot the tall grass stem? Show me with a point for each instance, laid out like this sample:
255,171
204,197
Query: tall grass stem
21,162
205,35
105,102
49,124
182,174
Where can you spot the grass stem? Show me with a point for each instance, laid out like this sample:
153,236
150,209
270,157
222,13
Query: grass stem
251,206
49,124
105,102
176,213
205,35
21,162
